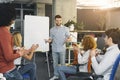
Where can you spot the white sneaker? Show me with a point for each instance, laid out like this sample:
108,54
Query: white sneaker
54,77
1,77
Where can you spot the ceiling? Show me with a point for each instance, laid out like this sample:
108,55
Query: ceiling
35,1
82,4
98,3
29,1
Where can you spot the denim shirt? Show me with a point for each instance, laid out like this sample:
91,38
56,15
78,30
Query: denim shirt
58,36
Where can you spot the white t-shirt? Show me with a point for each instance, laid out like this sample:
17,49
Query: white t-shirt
83,59
18,60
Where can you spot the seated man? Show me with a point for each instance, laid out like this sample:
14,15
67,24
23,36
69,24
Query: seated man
104,67
88,43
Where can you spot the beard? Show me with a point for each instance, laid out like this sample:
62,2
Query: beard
58,24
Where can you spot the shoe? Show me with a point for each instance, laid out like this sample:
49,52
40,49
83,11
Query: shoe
54,78
1,77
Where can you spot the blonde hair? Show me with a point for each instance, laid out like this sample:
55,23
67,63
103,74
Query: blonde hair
88,42
17,39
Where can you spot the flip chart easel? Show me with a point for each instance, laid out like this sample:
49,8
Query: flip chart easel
36,30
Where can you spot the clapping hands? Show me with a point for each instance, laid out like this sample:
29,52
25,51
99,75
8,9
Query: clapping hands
23,51
94,52
75,47
33,47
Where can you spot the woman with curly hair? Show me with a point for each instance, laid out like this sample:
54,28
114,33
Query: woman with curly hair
88,43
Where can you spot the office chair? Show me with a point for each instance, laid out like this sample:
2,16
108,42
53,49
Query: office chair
93,76
26,76
114,69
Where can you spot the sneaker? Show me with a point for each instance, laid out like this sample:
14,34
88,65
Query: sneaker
54,78
1,77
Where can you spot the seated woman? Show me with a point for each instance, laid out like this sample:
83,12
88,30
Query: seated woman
29,68
88,43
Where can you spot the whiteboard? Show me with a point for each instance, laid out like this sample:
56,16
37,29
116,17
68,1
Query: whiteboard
36,30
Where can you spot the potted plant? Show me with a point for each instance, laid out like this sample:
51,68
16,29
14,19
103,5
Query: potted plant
77,26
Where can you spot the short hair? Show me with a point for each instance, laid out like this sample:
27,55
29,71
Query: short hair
58,16
114,33
88,42
7,14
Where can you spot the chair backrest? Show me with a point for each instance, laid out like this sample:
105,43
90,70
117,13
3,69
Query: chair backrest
114,69
26,76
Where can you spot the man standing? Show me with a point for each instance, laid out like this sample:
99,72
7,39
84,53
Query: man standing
7,56
59,35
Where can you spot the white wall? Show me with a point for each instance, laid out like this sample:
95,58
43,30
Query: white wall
113,19
67,9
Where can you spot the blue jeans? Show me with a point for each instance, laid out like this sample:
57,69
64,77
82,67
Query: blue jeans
58,56
65,69
29,68
13,75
